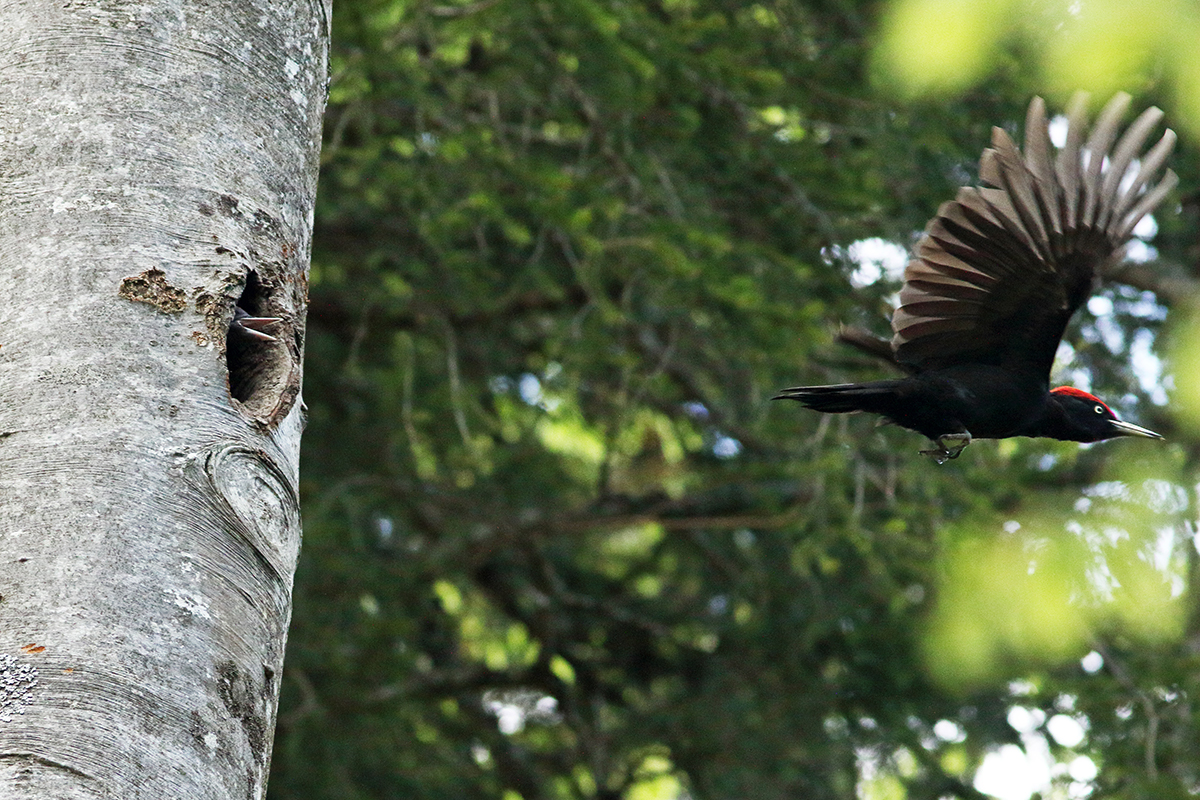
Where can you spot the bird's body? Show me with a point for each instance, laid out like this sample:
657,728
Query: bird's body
997,276
989,402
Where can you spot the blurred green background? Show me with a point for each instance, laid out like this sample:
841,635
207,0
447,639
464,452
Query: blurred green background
559,544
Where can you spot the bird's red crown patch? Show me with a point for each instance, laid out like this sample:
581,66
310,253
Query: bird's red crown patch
1080,393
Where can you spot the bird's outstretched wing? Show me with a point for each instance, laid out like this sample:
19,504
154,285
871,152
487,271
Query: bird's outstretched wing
1001,268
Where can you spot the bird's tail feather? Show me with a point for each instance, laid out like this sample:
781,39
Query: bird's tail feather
841,398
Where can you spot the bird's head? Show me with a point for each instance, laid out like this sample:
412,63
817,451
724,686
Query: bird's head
1086,418
245,327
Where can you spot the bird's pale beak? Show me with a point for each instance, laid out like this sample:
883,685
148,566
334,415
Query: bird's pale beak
253,326
1129,429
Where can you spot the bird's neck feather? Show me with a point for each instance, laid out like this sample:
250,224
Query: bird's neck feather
1055,423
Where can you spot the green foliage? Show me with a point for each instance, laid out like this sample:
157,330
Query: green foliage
558,543
1098,45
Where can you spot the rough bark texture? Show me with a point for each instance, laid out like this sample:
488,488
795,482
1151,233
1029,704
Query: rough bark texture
157,165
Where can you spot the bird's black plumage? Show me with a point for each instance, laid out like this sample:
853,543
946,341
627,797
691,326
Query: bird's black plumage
995,279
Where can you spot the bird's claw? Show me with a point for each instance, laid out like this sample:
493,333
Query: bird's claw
945,452
940,456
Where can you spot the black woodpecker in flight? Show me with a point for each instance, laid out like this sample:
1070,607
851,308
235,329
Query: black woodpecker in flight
995,278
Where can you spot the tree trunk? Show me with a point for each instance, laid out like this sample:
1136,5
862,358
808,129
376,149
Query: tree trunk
157,166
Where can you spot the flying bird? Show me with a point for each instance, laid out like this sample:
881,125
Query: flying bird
994,280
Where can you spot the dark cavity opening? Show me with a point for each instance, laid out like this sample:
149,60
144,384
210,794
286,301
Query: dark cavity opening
253,350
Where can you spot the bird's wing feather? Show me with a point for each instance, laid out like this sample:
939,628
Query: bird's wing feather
1001,268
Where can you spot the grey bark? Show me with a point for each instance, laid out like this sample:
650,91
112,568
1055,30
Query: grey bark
158,162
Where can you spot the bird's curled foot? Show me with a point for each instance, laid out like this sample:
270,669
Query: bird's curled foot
949,446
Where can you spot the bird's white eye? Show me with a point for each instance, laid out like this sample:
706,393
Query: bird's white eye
1099,409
